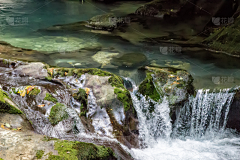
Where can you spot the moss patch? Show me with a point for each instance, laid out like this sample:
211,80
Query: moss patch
39,154
82,96
125,97
80,150
58,113
6,107
226,38
147,88
49,97
35,91
46,138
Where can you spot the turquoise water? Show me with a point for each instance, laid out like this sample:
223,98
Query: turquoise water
20,21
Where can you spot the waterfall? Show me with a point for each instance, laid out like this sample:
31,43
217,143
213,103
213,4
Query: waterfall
152,125
205,113
198,132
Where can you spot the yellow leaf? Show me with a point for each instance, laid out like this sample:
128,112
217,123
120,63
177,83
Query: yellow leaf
41,105
2,126
87,90
22,93
29,88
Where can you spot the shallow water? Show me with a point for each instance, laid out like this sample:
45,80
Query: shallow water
210,70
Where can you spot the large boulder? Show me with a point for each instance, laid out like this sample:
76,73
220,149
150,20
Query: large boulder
105,104
175,84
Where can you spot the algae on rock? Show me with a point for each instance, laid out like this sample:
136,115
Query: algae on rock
6,105
79,150
58,113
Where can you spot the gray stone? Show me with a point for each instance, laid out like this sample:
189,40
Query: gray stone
34,70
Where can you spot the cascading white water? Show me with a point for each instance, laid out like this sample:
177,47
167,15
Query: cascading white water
207,112
198,132
152,125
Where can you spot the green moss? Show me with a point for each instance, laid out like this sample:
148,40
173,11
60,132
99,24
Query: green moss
49,97
34,92
116,81
125,97
6,107
48,78
46,138
1,159
39,154
57,113
147,88
82,96
80,150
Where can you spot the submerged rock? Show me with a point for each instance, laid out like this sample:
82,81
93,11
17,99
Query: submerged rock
130,60
158,8
103,22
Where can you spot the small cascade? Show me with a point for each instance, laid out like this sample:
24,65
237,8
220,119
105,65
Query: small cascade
100,118
152,124
207,112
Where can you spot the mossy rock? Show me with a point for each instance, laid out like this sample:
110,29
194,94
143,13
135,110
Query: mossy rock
82,96
125,97
147,88
35,91
225,38
79,150
58,113
39,154
130,60
6,107
49,97
176,84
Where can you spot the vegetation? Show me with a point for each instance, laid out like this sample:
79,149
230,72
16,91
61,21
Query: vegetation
58,113
80,150
5,106
39,154
49,97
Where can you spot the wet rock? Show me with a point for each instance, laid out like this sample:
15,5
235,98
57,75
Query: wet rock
35,70
158,8
103,22
130,60
29,145
174,83
234,113
15,121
